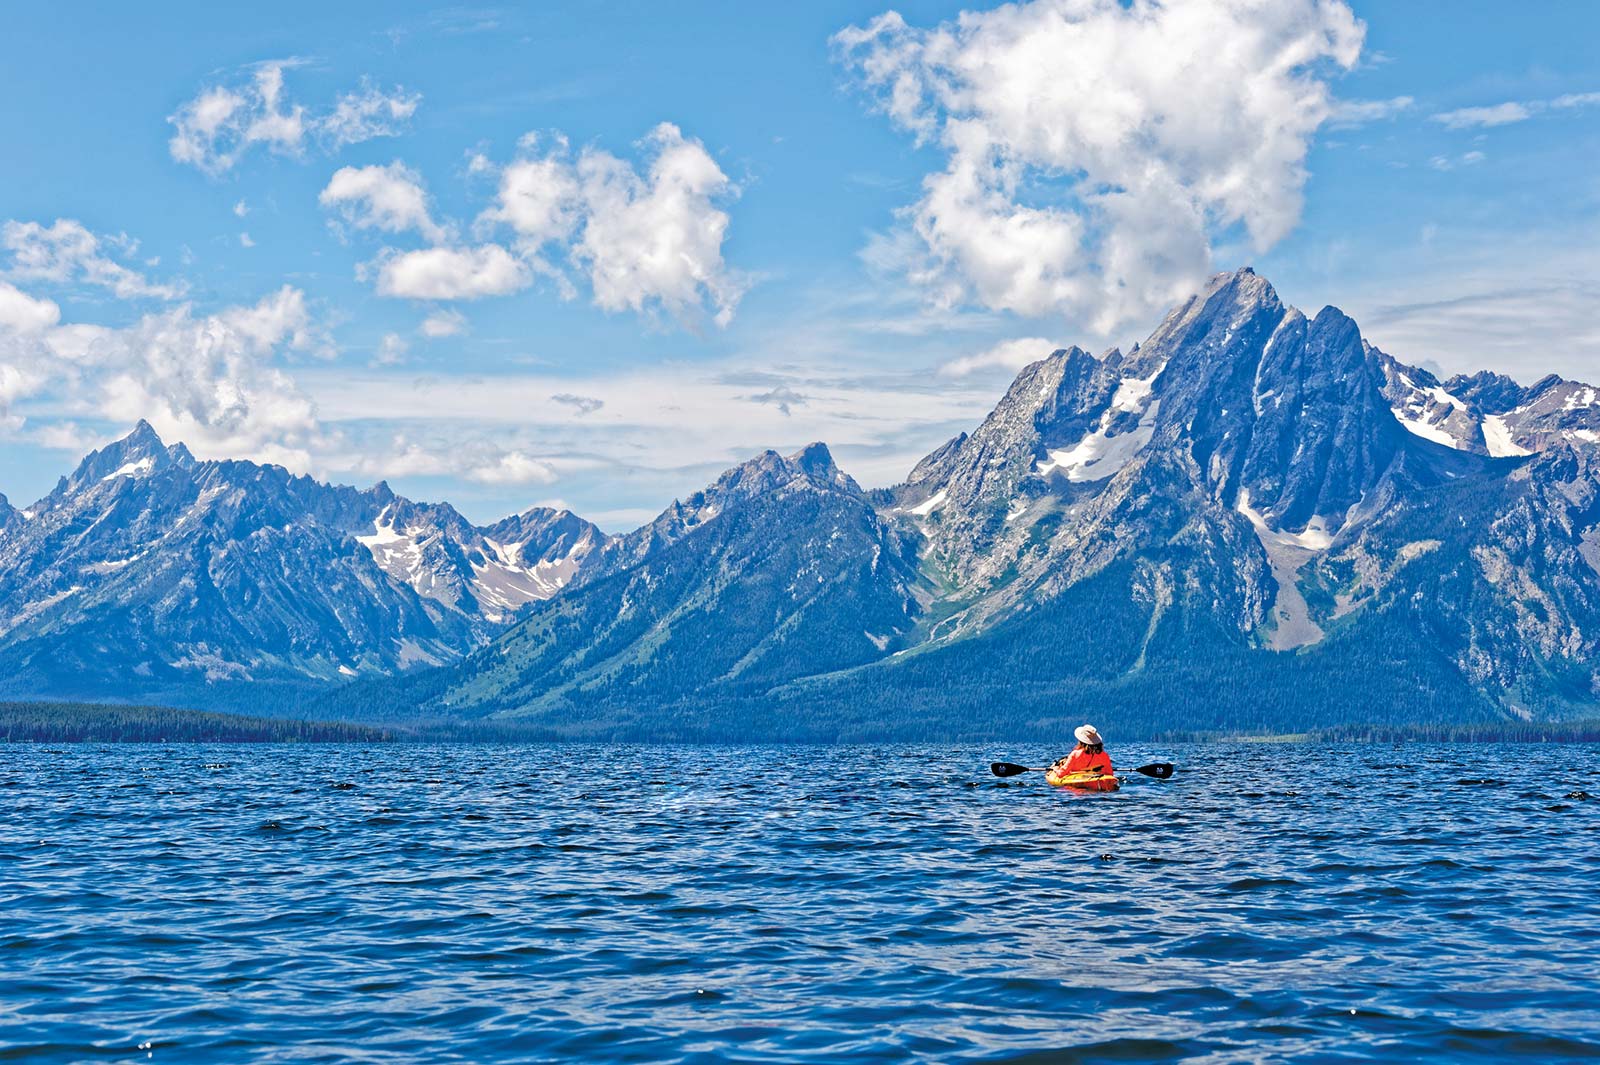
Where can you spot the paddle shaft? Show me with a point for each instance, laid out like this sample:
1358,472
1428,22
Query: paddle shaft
1158,770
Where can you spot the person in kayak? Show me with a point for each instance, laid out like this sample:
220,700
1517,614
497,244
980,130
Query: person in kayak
1089,756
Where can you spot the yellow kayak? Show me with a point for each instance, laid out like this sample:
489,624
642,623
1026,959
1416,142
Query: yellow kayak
1082,781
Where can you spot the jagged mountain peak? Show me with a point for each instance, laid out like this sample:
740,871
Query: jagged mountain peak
140,452
812,464
766,476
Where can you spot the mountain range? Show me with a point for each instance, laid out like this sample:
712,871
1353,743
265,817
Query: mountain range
1254,520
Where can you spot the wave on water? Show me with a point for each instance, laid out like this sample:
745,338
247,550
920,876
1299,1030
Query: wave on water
691,904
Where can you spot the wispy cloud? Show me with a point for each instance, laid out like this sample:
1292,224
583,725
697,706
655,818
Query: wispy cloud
1349,114
67,251
216,128
1513,111
1008,355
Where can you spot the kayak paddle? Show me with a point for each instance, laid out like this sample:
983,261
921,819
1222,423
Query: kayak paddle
1158,770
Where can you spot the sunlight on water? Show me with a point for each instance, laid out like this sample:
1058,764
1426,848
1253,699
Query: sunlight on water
475,903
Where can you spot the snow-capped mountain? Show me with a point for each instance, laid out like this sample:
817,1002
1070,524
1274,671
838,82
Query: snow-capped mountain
1252,519
1491,414
149,572
779,570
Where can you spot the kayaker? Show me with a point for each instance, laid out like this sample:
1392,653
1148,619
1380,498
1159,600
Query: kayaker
1089,756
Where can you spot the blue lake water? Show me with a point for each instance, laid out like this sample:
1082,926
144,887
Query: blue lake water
193,903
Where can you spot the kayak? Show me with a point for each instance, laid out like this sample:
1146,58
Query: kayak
1082,781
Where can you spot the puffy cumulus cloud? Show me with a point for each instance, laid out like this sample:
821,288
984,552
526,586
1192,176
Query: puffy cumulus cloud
655,240
451,273
1095,149
538,196
647,240
68,252
443,324
387,198
22,313
1513,111
1008,355
213,131
208,380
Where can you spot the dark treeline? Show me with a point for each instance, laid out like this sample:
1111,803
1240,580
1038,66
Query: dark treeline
101,723
1477,732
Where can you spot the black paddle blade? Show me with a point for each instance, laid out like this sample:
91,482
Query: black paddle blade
1006,769
1159,770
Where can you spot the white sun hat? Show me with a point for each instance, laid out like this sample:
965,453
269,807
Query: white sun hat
1088,734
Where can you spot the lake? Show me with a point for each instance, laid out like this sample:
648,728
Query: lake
1271,902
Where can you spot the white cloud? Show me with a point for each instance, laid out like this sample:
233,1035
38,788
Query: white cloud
1348,114
1445,162
22,313
391,350
651,433
1513,111
1498,115
1008,355
213,131
451,273
240,209
361,116
647,241
388,198
538,197
208,381
1095,149
443,324
245,241
68,252
513,467
656,240
479,461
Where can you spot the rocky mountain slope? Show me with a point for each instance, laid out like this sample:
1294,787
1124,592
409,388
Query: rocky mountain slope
148,573
779,570
1252,519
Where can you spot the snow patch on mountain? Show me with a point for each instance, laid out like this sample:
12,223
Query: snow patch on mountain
1497,438
397,554
131,469
1106,451
1287,553
1426,410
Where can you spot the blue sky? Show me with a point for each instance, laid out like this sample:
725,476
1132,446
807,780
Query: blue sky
730,233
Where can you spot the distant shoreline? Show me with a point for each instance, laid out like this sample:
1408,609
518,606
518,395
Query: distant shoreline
62,722
74,722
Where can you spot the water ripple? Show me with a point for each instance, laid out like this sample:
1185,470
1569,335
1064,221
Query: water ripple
482,903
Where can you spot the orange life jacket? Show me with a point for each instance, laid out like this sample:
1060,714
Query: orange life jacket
1081,761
